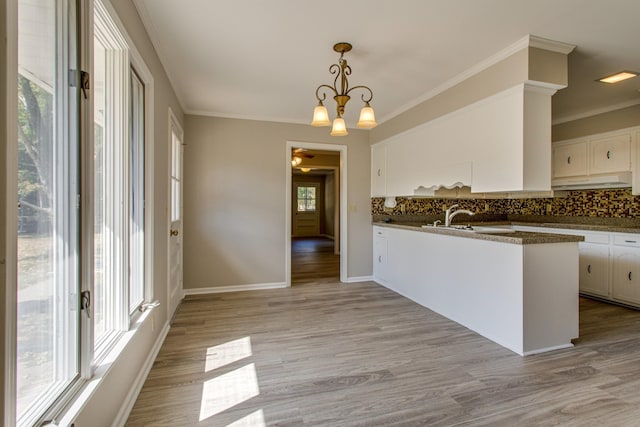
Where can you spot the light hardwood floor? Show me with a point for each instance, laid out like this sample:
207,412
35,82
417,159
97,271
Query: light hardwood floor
358,354
313,261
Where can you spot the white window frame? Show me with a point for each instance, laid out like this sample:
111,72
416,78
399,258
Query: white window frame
130,59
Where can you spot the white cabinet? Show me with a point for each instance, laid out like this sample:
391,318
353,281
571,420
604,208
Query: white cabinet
380,255
626,269
379,170
611,154
569,159
594,269
609,263
596,161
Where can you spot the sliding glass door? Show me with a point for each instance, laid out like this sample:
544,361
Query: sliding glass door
48,225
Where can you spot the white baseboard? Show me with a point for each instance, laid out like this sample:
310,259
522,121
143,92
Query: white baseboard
134,391
236,288
359,279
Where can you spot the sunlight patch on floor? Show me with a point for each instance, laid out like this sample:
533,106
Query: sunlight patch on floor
229,352
254,419
223,392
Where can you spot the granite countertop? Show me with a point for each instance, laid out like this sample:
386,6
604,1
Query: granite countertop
515,238
587,227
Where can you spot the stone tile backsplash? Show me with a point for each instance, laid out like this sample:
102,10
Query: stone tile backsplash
614,203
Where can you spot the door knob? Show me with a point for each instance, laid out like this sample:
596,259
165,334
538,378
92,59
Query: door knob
173,233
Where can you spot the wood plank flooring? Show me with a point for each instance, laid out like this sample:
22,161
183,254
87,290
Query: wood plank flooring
313,261
360,355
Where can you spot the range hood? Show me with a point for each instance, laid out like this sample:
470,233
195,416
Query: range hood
614,180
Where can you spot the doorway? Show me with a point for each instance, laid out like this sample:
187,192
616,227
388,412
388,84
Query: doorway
316,213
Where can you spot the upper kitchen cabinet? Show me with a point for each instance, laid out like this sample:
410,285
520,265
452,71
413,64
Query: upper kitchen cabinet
598,161
379,170
611,154
569,159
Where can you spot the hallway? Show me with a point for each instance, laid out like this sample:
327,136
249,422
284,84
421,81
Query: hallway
313,261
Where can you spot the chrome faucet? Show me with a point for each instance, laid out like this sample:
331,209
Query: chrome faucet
449,214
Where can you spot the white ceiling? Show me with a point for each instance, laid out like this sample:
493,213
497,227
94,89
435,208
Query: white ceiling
259,59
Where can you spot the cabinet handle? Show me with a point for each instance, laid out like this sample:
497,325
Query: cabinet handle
569,160
380,259
608,154
378,172
630,241
629,276
589,269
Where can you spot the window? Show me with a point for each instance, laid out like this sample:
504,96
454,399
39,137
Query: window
48,226
118,184
306,199
51,351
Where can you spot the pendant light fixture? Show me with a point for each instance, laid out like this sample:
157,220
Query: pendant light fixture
341,95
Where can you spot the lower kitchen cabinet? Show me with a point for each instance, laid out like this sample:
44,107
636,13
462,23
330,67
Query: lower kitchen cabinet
594,269
380,254
609,264
626,272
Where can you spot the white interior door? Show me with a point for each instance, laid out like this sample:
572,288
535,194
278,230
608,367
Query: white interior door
176,292
306,215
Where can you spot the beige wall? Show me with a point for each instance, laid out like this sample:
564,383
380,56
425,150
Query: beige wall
234,200
605,122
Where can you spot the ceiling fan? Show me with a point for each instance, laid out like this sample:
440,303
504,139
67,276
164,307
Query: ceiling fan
297,154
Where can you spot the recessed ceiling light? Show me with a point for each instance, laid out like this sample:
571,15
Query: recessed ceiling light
618,77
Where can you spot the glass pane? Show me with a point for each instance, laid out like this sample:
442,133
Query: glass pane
311,192
176,177
101,154
47,317
136,171
301,205
311,205
302,192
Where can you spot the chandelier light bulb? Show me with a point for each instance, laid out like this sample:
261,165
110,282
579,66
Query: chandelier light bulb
367,117
339,127
320,116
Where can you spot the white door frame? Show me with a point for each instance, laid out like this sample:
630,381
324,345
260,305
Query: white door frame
174,126
342,176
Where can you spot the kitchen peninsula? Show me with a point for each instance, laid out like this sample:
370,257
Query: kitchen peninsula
517,289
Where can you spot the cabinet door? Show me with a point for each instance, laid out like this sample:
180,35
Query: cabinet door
626,274
594,269
570,159
380,251
611,154
378,170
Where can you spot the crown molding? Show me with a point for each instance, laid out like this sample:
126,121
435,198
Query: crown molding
551,45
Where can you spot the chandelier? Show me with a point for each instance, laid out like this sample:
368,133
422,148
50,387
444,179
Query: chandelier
341,70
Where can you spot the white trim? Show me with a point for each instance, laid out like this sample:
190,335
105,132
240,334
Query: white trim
595,112
550,45
11,215
343,226
136,386
360,279
236,288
